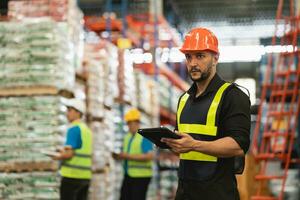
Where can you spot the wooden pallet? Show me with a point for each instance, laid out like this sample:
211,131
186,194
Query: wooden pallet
246,181
28,166
104,170
34,90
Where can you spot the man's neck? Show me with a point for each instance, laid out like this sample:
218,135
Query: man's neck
76,120
201,86
132,134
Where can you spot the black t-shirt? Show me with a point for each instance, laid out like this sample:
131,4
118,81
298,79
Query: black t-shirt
232,119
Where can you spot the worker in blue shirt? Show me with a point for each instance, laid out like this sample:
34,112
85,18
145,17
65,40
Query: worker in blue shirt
137,155
76,155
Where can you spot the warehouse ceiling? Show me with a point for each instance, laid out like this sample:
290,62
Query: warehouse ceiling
232,11
190,11
235,22
229,19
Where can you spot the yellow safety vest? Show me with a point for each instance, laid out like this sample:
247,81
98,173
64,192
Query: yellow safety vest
79,166
136,169
208,129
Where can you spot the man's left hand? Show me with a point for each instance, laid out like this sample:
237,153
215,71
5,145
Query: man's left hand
182,145
63,153
120,156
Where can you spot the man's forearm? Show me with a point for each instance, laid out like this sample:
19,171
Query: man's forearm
141,157
224,147
66,154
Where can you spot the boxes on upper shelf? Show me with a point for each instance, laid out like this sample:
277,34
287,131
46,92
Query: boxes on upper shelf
35,52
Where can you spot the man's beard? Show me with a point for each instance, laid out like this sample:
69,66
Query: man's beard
204,75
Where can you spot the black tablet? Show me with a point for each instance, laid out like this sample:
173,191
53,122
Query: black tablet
156,134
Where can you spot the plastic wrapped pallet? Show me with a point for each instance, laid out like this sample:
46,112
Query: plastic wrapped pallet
105,168
107,185
168,94
126,77
102,72
29,186
176,93
36,52
168,185
96,89
164,91
111,68
147,96
103,139
57,9
29,124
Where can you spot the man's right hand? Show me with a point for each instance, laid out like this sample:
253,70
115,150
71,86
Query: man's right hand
65,152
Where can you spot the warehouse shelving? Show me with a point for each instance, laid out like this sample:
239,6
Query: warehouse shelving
274,139
28,166
142,28
34,90
34,83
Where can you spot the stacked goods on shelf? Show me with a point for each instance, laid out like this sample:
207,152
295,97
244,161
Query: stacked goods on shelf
168,94
65,11
108,137
117,166
37,62
176,93
28,126
167,160
76,31
35,52
29,186
111,72
147,94
103,139
167,184
126,80
57,9
101,66
168,164
101,186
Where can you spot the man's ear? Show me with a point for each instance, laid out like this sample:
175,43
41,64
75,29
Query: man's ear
216,58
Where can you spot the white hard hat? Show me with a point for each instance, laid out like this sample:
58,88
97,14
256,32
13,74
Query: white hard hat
76,104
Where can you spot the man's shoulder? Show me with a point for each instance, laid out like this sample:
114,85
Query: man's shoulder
235,96
237,91
182,94
74,129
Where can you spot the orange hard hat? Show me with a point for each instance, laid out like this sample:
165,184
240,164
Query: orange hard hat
199,39
132,115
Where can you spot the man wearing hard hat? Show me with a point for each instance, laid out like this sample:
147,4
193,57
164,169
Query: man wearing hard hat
76,155
137,155
213,120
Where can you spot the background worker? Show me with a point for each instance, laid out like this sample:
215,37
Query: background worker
213,120
137,155
76,155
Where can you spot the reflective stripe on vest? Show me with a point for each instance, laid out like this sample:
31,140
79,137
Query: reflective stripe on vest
209,129
136,168
79,166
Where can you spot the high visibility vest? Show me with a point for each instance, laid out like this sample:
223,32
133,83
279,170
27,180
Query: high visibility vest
79,166
209,129
136,169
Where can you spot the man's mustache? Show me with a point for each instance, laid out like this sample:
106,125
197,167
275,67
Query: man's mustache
195,70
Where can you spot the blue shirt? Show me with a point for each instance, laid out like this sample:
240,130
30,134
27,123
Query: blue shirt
147,146
74,137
